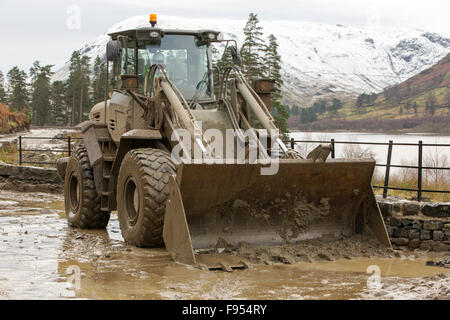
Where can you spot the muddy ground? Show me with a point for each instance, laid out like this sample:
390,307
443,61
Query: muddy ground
41,257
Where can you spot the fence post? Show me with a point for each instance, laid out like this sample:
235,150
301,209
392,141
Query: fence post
292,144
20,150
333,154
388,168
68,144
419,174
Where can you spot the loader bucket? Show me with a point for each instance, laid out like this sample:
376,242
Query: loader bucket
234,202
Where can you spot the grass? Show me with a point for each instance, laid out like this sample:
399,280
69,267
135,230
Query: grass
432,179
9,152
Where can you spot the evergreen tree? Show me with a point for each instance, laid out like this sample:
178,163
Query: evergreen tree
273,71
3,92
336,104
408,105
99,80
18,91
78,87
295,111
85,101
40,97
59,106
252,49
73,85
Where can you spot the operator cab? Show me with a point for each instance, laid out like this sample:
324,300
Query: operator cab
184,55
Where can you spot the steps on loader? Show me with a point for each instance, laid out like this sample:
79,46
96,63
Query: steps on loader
109,154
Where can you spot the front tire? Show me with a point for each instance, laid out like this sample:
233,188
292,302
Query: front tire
82,203
142,191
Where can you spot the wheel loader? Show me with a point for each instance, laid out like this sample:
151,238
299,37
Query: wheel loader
184,191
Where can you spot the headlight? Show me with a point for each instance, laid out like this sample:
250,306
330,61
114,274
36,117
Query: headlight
211,36
154,34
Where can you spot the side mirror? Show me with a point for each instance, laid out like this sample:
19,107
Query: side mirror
113,50
235,56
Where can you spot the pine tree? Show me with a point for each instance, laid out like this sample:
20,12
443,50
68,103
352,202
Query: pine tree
252,49
58,104
273,71
73,85
17,87
85,101
78,86
3,92
98,80
41,90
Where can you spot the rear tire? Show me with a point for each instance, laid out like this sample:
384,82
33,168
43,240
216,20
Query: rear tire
82,203
142,191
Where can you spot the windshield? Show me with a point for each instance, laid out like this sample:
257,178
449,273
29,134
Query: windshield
186,64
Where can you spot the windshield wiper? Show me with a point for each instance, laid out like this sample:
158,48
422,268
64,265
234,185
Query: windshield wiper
199,89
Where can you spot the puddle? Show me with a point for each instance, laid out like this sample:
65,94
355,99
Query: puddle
42,258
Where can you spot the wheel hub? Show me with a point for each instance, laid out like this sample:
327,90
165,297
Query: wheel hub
131,201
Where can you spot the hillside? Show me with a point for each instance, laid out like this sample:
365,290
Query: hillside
12,121
421,103
318,60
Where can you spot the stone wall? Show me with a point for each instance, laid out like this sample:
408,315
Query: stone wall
414,225
29,179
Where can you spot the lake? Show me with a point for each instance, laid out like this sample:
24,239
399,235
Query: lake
400,154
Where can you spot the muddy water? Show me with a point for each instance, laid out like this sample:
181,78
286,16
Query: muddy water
40,257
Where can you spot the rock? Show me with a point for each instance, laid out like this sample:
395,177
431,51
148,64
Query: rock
410,208
400,233
417,225
447,226
401,241
436,210
432,224
425,235
395,222
414,234
406,222
447,234
426,245
396,207
438,235
414,244
441,247
385,208
283,259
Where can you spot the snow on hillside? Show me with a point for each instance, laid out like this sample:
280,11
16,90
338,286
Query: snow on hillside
318,59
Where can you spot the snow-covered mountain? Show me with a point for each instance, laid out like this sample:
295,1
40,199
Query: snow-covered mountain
318,60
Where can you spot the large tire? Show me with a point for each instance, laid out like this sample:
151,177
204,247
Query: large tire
82,202
142,191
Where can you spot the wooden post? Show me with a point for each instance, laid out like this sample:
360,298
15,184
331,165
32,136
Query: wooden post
388,168
419,173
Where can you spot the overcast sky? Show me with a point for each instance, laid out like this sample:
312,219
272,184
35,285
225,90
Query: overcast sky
47,30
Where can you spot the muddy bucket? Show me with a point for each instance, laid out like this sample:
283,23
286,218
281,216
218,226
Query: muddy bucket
233,203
